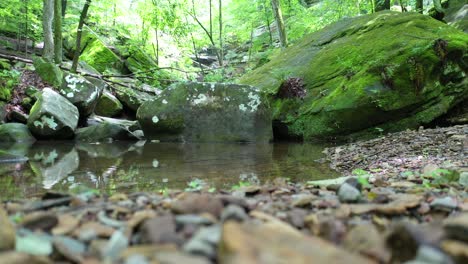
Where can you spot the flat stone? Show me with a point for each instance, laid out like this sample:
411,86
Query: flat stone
40,221
430,255
302,200
204,242
13,257
146,250
192,203
177,257
444,204
260,243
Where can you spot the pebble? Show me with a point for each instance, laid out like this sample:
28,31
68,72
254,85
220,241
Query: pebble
7,232
204,242
348,193
234,212
430,255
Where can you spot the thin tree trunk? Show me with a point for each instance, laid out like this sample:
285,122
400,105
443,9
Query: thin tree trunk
221,50
419,6
64,8
58,31
268,22
47,19
372,5
84,14
275,4
27,28
156,53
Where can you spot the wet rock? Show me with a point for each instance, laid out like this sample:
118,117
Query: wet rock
366,240
207,112
7,232
430,255
161,229
256,243
44,221
13,257
204,242
444,204
170,257
400,204
457,227
108,105
53,116
196,204
15,132
80,92
234,212
456,249
348,194
104,131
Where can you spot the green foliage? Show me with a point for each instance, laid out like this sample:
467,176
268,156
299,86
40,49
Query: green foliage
8,81
240,185
195,185
362,176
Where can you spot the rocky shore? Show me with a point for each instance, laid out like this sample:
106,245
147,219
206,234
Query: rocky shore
412,208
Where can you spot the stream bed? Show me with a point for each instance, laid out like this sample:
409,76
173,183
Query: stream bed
32,169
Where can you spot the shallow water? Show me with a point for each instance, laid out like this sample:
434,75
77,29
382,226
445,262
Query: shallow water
147,166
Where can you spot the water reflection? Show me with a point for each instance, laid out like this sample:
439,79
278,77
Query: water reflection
147,166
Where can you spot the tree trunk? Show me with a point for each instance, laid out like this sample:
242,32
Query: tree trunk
47,19
84,14
275,4
64,8
382,5
58,31
221,50
419,6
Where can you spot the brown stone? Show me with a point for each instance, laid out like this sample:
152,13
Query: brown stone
366,240
99,229
160,230
192,203
7,232
66,224
456,249
276,242
457,227
147,250
13,257
40,220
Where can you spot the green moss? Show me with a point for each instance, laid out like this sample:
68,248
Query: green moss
365,71
48,71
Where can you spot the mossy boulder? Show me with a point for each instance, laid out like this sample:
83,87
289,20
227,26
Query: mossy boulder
53,116
139,61
456,14
381,72
81,93
108,105
15,132
132,97
207,112
48,71
97,54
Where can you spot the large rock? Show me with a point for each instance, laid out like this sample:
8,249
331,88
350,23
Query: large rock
207,112
15,132
53,116
95,52
133,97
81,93
48,71
108,105
456,14
381,72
